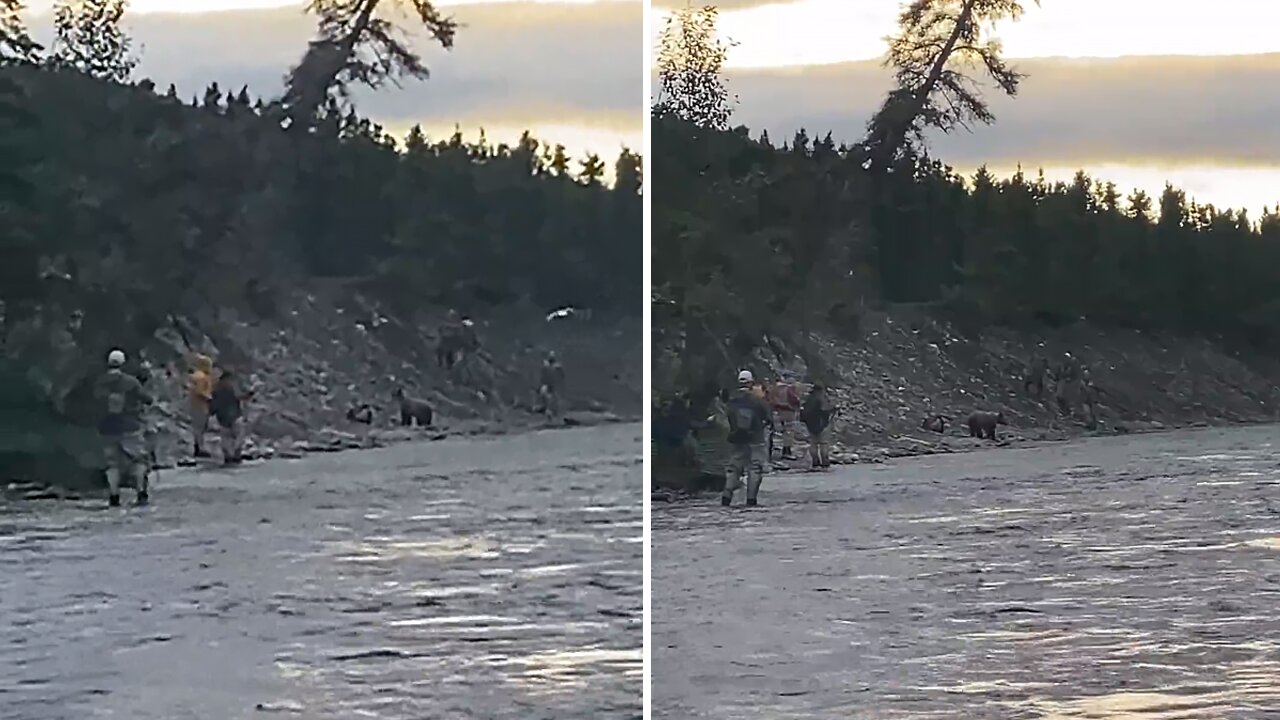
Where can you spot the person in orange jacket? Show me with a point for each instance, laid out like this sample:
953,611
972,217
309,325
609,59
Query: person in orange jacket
201,392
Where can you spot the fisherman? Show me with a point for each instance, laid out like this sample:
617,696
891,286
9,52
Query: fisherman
227,407
816,415
200,390
122,428
551,385
748,417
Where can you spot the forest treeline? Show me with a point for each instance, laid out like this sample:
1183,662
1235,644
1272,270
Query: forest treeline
774,226
145,199
754,238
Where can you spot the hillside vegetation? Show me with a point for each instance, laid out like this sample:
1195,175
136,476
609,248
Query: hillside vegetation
127,211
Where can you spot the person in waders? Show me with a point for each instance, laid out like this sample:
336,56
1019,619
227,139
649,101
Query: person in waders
816,415
125,447
749,418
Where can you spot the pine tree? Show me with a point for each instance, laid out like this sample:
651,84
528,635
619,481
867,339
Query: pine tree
591,170
935,37
357,45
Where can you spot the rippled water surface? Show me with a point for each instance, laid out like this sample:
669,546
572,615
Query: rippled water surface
492,578
1119,578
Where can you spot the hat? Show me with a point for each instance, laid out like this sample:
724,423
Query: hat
115,358
745,377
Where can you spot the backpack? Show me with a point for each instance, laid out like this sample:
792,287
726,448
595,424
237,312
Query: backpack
812,415
744,421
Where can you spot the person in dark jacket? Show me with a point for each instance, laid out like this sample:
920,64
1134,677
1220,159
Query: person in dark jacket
227,407
816,415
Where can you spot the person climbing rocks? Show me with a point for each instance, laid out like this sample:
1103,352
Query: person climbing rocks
816,415
123,400
1065,382
1034,379
447,349
785,399
551,385
1089,396
748,416
227,407
200,390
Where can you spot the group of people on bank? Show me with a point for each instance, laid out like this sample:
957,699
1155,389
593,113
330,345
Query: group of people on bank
753,413
756,412
125,398
215,395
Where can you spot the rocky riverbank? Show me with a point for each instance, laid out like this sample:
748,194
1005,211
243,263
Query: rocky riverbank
907,365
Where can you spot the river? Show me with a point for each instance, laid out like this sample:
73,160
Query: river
467,578
1119,578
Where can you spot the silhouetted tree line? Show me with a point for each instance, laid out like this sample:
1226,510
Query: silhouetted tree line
179,193
753,232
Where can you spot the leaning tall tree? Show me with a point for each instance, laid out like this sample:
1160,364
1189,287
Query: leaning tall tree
363,42
940,47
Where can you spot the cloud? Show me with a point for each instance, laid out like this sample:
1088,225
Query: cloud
515,62
1069,111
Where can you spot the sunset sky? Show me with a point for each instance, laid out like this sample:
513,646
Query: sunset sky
516,64
1137,92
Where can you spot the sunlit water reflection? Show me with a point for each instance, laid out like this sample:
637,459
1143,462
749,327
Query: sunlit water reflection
1119,578
504,582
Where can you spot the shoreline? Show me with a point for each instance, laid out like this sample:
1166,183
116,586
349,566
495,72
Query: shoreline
660,493
33,491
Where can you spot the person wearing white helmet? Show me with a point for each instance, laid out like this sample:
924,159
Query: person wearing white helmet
123,400
748,416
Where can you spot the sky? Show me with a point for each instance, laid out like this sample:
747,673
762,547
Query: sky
516,65
1134,91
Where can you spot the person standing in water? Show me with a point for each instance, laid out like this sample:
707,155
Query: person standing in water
748,416
123,400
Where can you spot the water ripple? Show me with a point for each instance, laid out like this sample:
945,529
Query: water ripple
501,583
1113,579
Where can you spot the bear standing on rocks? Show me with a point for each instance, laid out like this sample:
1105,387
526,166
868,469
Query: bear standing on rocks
413,410
983,424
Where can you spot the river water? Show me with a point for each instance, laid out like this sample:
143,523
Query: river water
1118,578
468,578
